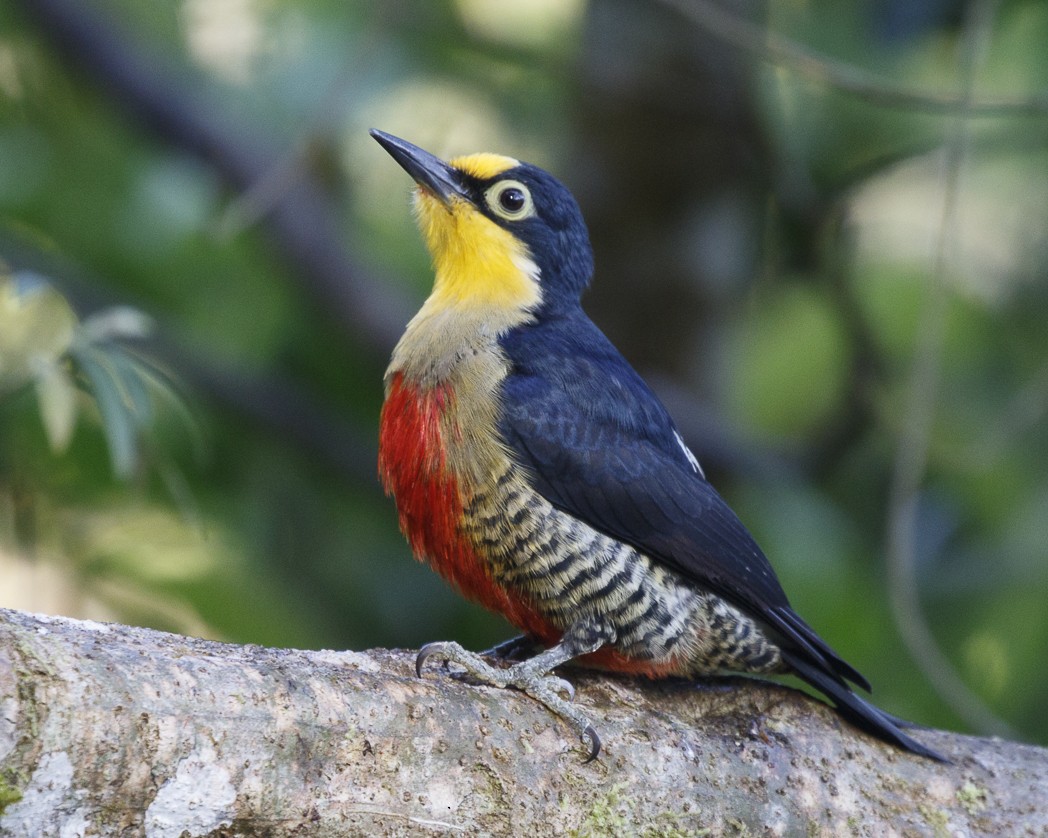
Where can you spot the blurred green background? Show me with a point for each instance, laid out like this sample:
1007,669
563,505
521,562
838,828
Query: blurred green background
820,234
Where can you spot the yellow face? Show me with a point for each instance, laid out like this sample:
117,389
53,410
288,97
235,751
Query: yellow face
479,264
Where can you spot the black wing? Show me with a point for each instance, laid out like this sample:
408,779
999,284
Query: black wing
602,448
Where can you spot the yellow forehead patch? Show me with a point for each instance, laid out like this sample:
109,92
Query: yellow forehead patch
484,165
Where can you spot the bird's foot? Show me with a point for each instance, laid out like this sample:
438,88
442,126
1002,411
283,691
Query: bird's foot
515,649
531,677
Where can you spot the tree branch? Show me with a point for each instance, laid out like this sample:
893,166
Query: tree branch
782,51
131,731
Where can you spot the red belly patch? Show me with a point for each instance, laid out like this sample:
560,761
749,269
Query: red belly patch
414,469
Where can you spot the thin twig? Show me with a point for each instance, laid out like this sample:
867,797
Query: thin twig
911,456
787,53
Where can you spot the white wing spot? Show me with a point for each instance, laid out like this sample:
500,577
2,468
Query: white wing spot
687,453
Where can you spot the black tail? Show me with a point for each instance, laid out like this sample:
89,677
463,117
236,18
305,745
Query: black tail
857,710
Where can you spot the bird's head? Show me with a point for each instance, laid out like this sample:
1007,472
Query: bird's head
502,233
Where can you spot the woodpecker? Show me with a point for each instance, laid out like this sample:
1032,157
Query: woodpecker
534,469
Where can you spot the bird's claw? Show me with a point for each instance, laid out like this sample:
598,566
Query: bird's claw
590,734
560,685
426,652
527,677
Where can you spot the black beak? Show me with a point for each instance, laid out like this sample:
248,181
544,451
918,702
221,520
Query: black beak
429,172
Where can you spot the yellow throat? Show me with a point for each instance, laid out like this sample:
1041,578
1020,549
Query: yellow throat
478,264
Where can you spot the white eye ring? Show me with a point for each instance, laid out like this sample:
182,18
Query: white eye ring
510,199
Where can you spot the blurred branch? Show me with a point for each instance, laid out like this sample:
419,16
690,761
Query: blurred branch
302,220
784,52
139,732
911,456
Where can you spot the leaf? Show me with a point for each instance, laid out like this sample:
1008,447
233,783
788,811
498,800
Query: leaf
164,388
56,393
116,322
128,373
37,327
118,423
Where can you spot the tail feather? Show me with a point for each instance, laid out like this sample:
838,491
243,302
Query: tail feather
857,710
819,650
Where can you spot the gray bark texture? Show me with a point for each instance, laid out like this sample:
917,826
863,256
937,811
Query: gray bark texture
112,730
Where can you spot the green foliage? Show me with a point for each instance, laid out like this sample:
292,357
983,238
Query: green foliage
789,364
45,346
767,235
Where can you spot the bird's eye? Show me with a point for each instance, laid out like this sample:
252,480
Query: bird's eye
510,199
